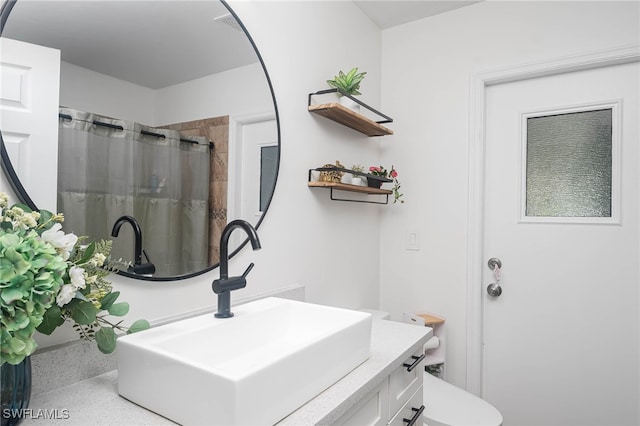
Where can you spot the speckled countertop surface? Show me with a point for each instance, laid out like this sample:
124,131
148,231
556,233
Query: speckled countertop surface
96,401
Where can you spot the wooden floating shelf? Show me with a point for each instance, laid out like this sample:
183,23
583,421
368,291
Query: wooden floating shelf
430,319
343,115
351,188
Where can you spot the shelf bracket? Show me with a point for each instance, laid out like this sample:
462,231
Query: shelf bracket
359,201
387,119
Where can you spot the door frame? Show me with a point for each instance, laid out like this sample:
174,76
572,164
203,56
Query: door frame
236,125
479,83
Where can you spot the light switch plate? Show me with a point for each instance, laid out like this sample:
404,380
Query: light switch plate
412,240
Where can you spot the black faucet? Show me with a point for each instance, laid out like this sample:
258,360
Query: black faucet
224,285
138,267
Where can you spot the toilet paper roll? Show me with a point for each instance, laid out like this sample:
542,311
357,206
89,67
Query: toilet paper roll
432,343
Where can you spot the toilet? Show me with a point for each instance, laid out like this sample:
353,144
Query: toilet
448,405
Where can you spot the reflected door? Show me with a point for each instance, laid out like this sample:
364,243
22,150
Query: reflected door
561,340
29,93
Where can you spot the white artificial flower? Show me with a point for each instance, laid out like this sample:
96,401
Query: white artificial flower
62,242
4,200
98,259
29,220
66,294
77,277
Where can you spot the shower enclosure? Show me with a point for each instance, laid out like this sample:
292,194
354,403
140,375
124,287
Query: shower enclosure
108,168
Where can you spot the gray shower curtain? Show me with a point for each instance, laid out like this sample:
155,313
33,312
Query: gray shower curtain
105,173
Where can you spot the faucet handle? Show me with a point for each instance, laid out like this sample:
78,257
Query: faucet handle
249,268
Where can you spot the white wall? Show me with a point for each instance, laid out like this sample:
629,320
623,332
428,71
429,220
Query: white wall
240,91
426,71
334,248
330,247
86,90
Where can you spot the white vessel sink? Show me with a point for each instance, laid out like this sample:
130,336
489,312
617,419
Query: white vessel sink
253,369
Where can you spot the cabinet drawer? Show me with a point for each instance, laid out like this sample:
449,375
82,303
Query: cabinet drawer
404,381
411,412
372,410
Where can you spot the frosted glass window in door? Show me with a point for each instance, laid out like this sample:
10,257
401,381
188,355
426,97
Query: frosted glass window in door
268,172
569,164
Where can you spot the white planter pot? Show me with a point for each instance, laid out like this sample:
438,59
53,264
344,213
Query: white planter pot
358,180
346,178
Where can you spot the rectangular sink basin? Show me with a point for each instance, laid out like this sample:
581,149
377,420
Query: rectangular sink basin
256,368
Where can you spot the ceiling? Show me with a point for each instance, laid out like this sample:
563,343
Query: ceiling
175,41
154,44
389,13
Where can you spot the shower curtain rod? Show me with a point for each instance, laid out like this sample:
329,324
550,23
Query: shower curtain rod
144,132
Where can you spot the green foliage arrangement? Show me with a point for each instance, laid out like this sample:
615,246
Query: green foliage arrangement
46,278
349,82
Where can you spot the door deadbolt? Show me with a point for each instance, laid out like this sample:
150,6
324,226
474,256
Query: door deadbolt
493,262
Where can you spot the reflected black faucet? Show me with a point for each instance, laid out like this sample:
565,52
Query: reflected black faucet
138,267
224,285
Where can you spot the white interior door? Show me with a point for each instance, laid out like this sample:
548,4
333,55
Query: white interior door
255,137
248,138
561,343
29,93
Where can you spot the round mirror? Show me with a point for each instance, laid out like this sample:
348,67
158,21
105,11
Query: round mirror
164,118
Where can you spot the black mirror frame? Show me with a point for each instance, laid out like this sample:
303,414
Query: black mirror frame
24,198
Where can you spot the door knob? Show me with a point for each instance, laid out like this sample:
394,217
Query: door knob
494,290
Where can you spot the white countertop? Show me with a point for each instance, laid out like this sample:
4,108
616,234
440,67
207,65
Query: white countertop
96,401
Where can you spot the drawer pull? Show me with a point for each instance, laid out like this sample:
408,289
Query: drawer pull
416,416
415,363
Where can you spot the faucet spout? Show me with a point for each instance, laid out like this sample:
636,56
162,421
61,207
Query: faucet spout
223,286
136,231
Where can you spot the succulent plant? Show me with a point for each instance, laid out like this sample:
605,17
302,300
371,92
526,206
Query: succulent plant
349,82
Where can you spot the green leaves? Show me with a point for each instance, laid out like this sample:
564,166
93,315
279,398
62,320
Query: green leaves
108,300
87,254
139,325
45,220
106,340
116,309
82,311
119,309
348,83
52,319
106,336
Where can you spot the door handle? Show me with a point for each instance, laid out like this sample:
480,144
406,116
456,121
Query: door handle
494,289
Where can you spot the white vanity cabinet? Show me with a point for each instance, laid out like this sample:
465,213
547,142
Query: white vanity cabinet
411,412
379,392
397,400
372,410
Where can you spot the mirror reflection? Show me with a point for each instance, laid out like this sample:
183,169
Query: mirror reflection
164,114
